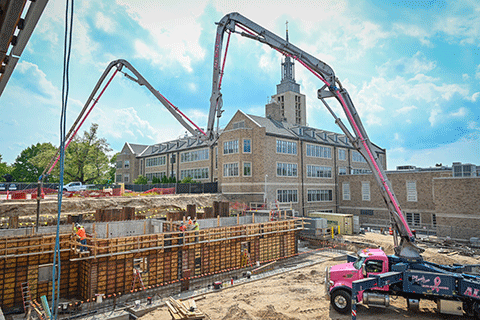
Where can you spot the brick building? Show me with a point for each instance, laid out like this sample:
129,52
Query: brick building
431,199
276,158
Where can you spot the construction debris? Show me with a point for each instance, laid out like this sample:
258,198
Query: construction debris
184,310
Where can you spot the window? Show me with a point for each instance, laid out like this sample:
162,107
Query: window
230,147
357,157
413,219
366,212
119,178
374,266
238,125
288,147
126,178
319,151
247,169
360,171
434,220
157,161
159,175
365,190
119,164
196,155
412,191
286,169
342,154
230,169
346,191
216,157
197,173
287,196
247,147
127,164
319,195
342,171
319,172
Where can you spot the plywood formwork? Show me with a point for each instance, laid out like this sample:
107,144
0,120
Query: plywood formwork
163,258
29,259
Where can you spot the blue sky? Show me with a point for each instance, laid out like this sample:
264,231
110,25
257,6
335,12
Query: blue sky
412,69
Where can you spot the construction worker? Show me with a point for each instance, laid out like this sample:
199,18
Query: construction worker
182,229
196,227
82,235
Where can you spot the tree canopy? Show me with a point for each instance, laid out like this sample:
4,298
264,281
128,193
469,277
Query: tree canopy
86,160
31,162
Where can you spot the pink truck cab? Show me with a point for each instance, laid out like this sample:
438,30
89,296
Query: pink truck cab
339,278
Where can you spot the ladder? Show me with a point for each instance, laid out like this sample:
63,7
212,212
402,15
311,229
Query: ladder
26,296
137,275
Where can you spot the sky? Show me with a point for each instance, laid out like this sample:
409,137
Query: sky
412,69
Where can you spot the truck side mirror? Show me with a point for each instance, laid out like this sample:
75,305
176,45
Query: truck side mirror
364,270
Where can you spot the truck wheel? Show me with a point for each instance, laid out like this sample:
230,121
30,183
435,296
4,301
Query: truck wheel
65,190
341,301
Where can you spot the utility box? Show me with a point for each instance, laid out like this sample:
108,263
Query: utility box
450,307
342,222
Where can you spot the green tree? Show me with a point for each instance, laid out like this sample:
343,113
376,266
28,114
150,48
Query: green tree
4,169
156,180
111,172
31,162
187,180
86,158
140,180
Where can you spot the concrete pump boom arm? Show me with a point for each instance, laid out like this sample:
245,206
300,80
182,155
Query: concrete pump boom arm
138,78
234,22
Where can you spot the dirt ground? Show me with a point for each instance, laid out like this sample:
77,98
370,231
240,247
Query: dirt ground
300,294
27,209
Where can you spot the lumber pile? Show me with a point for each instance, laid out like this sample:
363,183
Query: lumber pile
183,310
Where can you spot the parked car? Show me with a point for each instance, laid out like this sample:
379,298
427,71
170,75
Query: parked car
3,186
12,187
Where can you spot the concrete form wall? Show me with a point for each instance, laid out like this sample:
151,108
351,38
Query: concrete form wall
108,268
25,259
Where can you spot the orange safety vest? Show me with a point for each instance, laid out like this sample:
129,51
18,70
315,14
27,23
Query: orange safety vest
81,233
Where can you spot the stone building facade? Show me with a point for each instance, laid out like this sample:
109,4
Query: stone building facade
431,199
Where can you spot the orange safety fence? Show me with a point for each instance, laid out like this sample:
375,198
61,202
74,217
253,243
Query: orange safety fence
161,191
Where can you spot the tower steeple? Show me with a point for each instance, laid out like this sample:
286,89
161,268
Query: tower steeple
288,74
288,104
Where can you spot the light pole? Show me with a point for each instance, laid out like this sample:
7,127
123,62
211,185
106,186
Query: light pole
265,193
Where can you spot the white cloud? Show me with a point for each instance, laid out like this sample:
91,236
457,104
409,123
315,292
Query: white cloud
406,110
417,64
434,116
174,28
464,150
477,72
465,77
413,31
104,23
35,81
474,97
459,113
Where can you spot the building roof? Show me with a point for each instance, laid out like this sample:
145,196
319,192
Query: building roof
288,130
187,142
136,148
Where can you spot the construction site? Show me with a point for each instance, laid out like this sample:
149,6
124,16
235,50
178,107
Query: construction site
111,253
256,264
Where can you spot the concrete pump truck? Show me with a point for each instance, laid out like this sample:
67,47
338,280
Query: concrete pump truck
373,276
